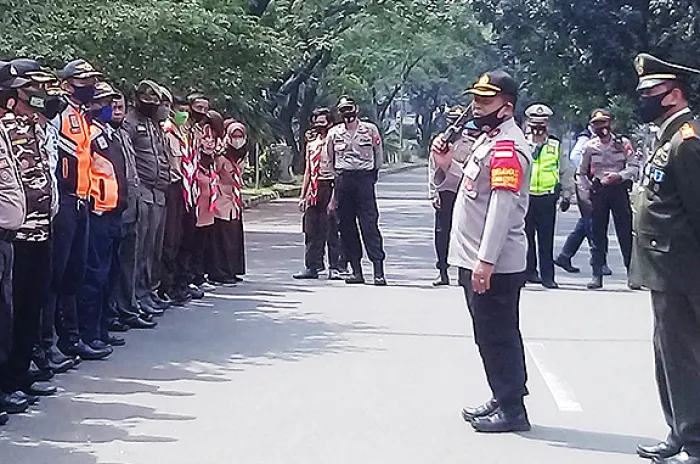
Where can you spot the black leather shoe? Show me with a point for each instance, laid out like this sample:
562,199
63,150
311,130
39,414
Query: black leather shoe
113,340
595,283
659,450
306,274
180,298
4,418
606,270
533,278
40,375
101,347
237,279
355,279
550,284
223,282
500,422
87,352
37,389
380,281
443,280
149,309
13,403
565,263
195,292
680,458
486,409
118,326
154,302
31,399
634,287
139,323
56,356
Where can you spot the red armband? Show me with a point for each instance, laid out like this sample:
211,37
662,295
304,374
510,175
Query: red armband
506,171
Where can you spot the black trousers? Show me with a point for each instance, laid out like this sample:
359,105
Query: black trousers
122,274
199,264
6,311
225,256
30,286
496,321
443,227
357,202
607,199
105,231
171,278
676,348
152,213
539,228
320,232
69,257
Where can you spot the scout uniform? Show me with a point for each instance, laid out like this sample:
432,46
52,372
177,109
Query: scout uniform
489,226
442,192
356,156
551,178
599,159
666,260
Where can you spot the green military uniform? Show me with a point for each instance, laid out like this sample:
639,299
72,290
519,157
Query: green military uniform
666,260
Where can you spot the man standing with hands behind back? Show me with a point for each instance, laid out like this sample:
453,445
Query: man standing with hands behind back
666,253
489,246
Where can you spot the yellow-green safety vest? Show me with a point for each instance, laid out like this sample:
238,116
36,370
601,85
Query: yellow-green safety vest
544,176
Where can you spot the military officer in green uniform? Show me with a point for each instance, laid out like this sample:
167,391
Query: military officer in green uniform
666,252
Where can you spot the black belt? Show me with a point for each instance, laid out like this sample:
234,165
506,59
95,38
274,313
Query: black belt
7,235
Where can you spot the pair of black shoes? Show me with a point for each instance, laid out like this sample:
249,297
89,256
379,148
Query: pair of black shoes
356,277
94,351
492,418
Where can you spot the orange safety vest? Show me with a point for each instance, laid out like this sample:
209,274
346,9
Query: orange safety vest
104,183
74,152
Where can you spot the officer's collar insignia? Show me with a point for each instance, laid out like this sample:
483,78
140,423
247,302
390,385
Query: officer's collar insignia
494,132
484,79
687,131
639,65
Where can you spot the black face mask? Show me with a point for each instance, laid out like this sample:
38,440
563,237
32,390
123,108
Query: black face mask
147,109
349,115
602,132
198,116
54,105
649,109
116,124
489,121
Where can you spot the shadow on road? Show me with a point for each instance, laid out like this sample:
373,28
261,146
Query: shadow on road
585,440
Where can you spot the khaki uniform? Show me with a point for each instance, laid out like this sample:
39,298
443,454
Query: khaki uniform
358,151
489,225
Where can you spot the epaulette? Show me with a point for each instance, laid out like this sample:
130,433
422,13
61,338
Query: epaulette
687,131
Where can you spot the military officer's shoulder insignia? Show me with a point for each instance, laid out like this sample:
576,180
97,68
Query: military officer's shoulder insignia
688,131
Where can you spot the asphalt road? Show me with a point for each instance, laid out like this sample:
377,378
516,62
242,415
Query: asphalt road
278,371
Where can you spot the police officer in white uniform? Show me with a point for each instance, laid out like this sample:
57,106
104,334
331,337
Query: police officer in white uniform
489,247
356,153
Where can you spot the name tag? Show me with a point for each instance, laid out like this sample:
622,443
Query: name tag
472,170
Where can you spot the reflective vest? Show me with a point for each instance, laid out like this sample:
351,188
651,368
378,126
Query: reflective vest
544,176
108,187
74,152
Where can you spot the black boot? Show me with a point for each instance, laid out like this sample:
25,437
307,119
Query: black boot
533,278
306,274
443,280
379,279
565,263
595,283
356,277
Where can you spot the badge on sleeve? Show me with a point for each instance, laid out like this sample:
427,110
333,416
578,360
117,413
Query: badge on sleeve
660,157
506,171
102,143
687,131
74,124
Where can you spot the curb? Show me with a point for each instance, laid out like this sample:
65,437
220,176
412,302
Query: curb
252,202
403,167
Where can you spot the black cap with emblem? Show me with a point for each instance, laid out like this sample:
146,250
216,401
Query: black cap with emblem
10,77
31,69
78,69
493,83
653,71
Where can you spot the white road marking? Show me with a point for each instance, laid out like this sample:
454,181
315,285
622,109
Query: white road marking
561,391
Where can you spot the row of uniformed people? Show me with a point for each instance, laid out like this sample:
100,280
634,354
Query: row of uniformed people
85,190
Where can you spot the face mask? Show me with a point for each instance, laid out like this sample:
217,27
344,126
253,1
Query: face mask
53,106
147,109
349,115
84,94
649,109
602,132
116,124
237,142
162,113
489,121
180,118
198,116
103,114
36,100
538,131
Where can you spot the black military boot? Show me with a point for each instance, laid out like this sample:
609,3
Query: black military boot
379,279
595,283
356,277
443,280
